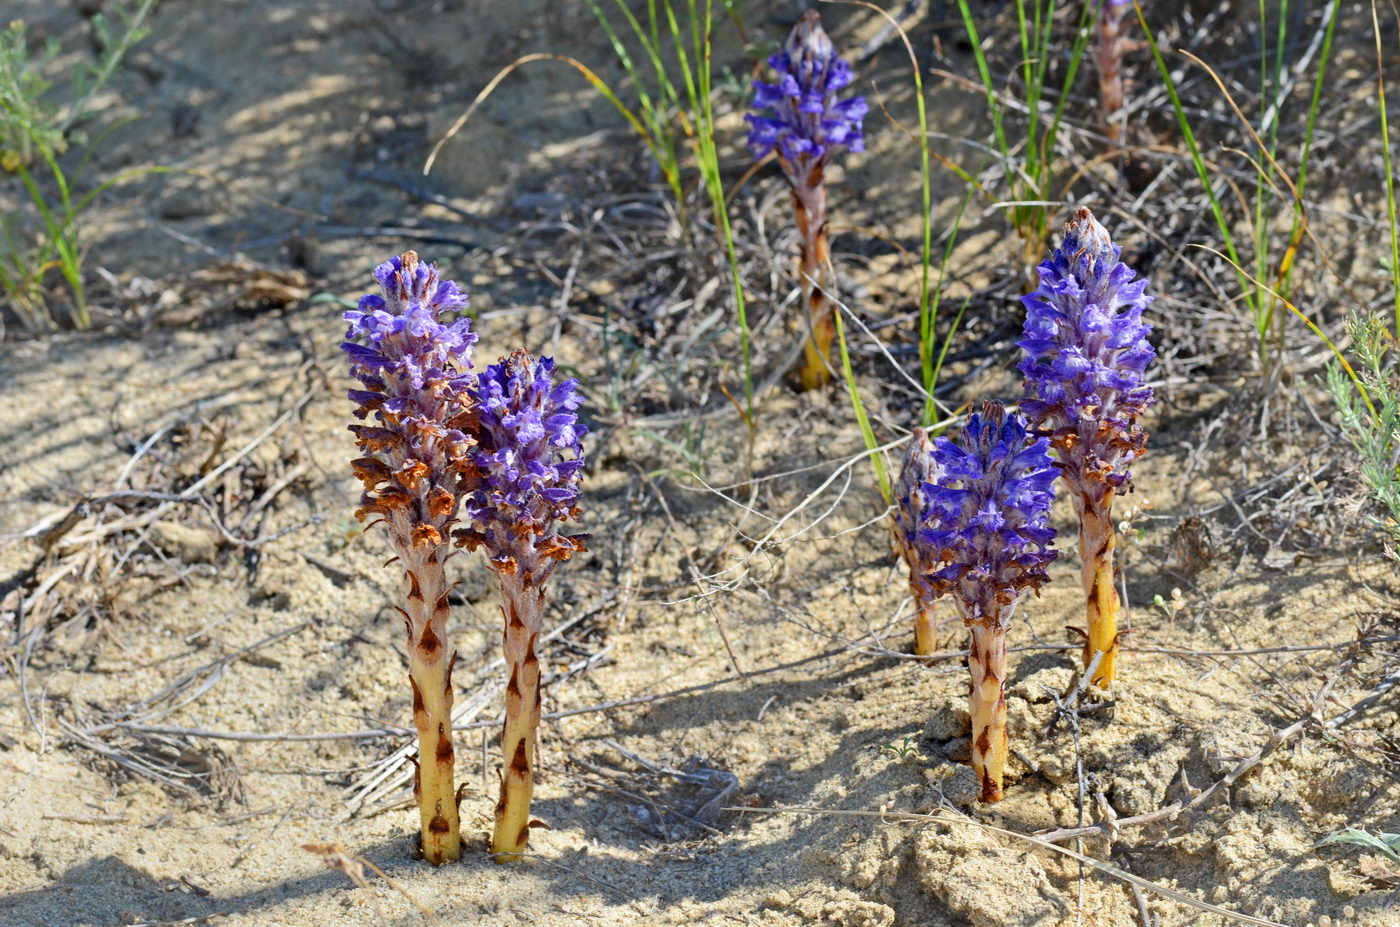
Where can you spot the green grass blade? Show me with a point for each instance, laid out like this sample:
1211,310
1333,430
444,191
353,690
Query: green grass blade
992,103
1295,233
930,368
1389,172
1198,161
698,88
867,433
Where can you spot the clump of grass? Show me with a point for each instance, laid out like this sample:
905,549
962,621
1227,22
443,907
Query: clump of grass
1266,290
1029,163
1368,406
36,135
666,120
659,106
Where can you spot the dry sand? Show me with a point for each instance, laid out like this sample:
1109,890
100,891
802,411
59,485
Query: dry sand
85,841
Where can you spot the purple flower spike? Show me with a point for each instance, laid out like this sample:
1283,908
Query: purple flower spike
529,462
1086,353
1086,356
413,370
801,119
911,505
986,521
800,116
529,458
986,527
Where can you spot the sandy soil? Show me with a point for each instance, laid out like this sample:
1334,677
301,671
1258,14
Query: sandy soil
152,614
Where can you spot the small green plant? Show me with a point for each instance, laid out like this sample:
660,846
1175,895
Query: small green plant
1170,607
1388,845
690,450
665,117
659,109
902,749
1368,406
35,136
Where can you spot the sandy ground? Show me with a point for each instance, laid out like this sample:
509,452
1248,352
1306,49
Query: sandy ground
763,655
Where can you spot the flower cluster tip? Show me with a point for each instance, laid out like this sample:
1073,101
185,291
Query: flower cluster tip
800,115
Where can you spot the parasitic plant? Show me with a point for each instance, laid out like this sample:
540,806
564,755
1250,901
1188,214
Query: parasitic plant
528,460
986,531
800,119
910,503
1085,354
416,466
1112,26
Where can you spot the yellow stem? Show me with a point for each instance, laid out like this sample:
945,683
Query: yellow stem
1096,543
925,621
523,609
430,674
987,704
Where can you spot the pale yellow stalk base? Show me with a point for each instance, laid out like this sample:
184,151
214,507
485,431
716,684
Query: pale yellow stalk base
523,608
815,372
924,626
987,705
430,674
437,795
1096,543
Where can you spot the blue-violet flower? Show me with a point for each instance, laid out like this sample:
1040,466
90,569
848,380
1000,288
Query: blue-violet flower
800,116
987,523
987,514
1085,357
1085,361
528,461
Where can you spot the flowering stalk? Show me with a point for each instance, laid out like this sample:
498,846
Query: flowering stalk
529,460
986,528
1110,62
1085,356
806,128
910,502
412,370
